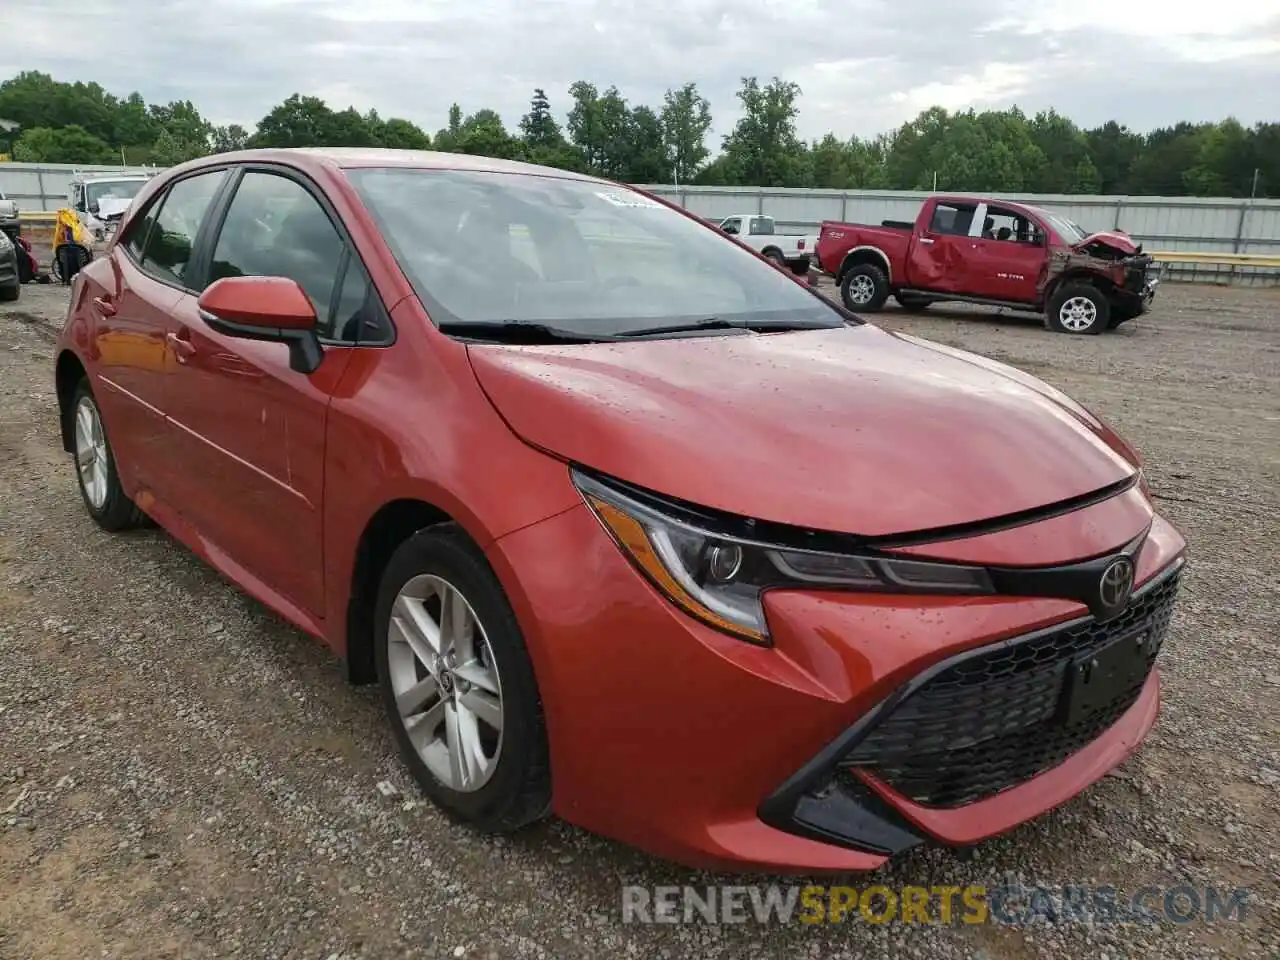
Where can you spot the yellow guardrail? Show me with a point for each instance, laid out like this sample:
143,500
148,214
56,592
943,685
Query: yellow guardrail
1233,259
37,216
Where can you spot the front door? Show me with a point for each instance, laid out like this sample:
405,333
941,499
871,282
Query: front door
249,430
1008,256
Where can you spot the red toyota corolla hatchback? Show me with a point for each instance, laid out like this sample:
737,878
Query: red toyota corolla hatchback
629,525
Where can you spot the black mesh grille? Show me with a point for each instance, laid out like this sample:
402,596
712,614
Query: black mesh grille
993,721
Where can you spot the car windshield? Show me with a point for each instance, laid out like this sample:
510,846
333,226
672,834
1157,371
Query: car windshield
112,190
584,256
1069,230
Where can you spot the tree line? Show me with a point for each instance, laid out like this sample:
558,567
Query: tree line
990,151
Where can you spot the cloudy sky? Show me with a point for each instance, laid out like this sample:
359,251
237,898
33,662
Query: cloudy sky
864,66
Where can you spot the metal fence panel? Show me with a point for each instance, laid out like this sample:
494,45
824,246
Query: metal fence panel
1210,225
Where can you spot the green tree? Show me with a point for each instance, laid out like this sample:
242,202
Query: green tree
1114,149
483,134
649,161
763,148
447,138
169,151
229,138
538,127
1065,152
70,144
399,134
298,122
686,118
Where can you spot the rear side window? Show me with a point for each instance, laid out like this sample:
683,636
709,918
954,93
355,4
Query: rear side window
275,228
182,212
135,235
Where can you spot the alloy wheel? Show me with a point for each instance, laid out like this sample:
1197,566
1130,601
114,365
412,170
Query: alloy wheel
862,289
445,681
1078,314
91,453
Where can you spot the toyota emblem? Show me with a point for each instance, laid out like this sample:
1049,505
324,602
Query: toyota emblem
1116,584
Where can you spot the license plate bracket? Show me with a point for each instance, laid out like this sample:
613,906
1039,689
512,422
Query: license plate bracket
1097,679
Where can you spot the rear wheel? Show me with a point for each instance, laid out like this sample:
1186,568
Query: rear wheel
776,256
864,286
96,472
458,685
1078,308
11,293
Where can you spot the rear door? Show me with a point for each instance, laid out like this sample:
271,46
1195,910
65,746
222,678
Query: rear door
250,429
939,256
133,302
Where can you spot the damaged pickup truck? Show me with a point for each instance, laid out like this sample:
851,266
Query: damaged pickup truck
992,252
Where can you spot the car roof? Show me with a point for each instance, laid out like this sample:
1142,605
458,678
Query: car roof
347,158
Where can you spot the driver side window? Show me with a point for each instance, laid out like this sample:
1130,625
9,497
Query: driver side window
733,226
275,228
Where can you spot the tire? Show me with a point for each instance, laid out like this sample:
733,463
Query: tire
10,294
515,788
776,256
99,482
912,304
864,287
1078,308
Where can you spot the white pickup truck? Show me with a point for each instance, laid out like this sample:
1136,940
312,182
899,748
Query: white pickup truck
759,233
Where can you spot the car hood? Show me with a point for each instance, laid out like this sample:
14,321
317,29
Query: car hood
1121,243
112,207
854,429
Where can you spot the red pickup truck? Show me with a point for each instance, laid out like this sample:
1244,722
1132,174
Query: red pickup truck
992,252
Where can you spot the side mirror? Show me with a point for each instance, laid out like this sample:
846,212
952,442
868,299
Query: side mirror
274,309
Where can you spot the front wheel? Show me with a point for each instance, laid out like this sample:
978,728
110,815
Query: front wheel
458,685
864,286
1078,308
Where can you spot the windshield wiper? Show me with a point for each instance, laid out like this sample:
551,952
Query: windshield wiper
715,323
518,331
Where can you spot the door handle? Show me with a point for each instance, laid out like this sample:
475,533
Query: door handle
182,347
106,306
926,240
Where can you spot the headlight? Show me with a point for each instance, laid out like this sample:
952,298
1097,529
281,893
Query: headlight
722,579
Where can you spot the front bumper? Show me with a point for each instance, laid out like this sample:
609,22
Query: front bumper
716,753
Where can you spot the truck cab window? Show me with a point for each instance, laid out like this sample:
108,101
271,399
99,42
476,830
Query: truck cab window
952,219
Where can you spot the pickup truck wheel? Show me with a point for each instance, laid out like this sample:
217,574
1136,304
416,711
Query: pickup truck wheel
776,256
1078,308
864,287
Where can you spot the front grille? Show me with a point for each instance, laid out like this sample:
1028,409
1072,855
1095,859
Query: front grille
992,720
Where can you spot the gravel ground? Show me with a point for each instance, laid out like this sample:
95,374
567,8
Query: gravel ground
182,775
